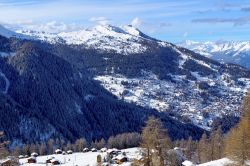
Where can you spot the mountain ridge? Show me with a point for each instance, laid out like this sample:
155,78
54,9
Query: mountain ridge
48,97
237,52
86,85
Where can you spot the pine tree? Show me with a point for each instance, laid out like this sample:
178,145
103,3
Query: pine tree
238,140
202,150
101,144
155,140
3,144
17,151
69,146
189,148
216,144
80,144
26,149
50,146
43,149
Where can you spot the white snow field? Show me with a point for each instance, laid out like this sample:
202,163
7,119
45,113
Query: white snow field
82,159
220,162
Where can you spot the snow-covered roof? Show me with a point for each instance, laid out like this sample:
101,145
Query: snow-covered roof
51,157
54,160
32,157
119,157
104,149
34,154
112,150
58,150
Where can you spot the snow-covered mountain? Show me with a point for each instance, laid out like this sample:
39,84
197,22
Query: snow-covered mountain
237,52
139,76
123,40
44,94
162,75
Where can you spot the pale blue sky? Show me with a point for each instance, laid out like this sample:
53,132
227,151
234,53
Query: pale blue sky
170,20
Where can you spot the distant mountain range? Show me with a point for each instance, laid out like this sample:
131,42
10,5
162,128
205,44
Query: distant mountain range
107,80
236,52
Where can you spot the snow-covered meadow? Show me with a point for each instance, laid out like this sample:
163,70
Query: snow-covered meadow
82,159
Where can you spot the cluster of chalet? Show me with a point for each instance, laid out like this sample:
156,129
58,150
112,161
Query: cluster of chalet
111,156
51,160
106,156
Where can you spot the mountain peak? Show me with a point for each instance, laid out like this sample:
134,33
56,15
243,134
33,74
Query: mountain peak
132,30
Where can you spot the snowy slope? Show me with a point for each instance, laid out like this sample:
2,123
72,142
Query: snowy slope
8,33
168,78
123,40
4,88
178,97
83,159
220,162
224,51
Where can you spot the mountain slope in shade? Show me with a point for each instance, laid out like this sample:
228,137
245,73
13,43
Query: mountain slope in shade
168,78
47,97
223,51
172,80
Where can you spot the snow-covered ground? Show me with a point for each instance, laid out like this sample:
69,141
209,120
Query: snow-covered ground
7,82
82,159
124,40
220,162
90,159
163,95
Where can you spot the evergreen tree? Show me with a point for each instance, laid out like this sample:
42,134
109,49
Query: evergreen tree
50,146
156,141
43,149
238,140
202,150
3,144
189,148
216,144
100,144
80,144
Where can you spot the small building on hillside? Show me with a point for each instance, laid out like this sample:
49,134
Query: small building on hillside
86,150
49,159
113,151
58,151
120,159
93,150
34,154
21,156
55,162
31,160
104,150
69,151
